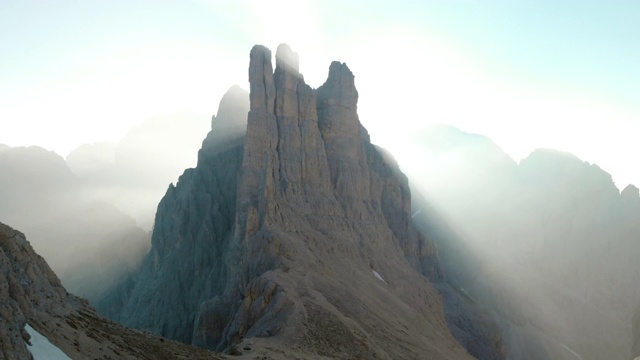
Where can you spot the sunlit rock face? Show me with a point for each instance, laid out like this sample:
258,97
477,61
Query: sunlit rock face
549,244
274,236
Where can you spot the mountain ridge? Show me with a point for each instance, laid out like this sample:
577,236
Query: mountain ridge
548,244
315,217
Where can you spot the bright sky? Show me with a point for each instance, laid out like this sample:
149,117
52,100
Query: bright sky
526,73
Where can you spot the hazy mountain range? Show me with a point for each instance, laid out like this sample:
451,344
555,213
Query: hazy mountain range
295,237
553,243
89,215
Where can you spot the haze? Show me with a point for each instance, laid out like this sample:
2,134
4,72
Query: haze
526,74
124,92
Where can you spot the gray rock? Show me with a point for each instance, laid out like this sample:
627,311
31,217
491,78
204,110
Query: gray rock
91,245
276,239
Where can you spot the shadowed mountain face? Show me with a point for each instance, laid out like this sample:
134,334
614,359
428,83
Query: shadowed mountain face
549,244
90,244
297,234
31,294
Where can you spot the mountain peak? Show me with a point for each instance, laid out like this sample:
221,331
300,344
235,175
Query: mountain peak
340,88
630,192
261,94
275,237
233,108
287,58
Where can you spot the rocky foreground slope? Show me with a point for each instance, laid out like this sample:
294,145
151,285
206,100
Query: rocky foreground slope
297,234
31,293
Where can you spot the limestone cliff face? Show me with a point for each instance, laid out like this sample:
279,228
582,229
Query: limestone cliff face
299,238
314,159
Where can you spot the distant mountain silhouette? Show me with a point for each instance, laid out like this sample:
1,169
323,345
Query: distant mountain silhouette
549,244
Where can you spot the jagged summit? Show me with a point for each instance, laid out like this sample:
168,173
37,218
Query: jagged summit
228,126
340,85
298,237
285,57
232,111
630,192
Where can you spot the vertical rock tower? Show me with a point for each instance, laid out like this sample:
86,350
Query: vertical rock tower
298,236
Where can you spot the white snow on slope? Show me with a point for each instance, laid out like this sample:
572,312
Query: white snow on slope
573,352
377,275
42,349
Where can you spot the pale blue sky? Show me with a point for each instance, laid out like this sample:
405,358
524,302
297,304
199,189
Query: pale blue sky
526,73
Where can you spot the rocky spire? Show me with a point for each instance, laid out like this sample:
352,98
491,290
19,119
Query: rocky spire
320,216
284,151
343,134
287,60
228,126
262,90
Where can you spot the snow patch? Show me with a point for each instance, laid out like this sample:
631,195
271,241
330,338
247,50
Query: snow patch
378,276
573,352
41,348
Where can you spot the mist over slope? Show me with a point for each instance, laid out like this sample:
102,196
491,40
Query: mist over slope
89,243
550,244
89,215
